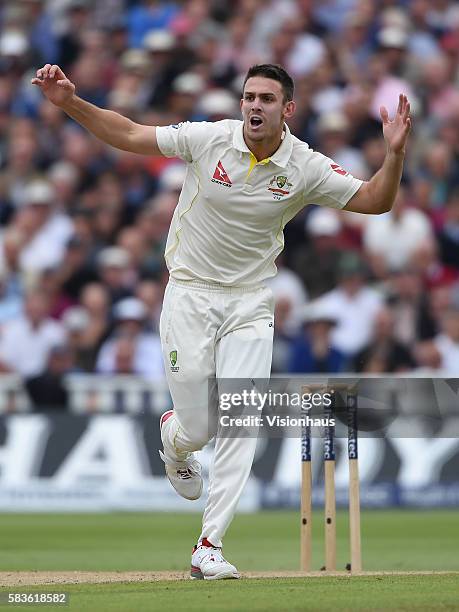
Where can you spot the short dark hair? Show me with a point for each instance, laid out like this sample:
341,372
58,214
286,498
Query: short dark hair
275,72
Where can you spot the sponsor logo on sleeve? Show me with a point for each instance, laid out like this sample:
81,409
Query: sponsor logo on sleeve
339,170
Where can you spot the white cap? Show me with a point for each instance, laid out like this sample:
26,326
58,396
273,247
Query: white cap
332,121
38,191
394,17
130,309
159,40
135,59
172,177
188,83
318,311
121,99
13,43
392,37
323,222
63,171
114,257
76,318
218,102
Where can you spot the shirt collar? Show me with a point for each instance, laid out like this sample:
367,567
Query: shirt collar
281,157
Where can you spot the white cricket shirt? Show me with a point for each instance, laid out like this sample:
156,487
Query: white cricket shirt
228,224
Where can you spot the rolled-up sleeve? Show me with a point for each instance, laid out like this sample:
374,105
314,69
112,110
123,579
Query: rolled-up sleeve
327,184
182,140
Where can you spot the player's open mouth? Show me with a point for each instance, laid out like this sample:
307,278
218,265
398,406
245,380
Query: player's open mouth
255,121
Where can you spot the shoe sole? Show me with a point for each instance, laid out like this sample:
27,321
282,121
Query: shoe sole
184,496
163,420
196,574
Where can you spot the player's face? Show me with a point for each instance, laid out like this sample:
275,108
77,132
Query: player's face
264,109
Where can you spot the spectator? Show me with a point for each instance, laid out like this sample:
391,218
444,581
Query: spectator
160,45
409,305
132,240
64,179
153,222
125,351
50,283
132,56
77,21
75,269
434,272
116,273
146,16
283,336
384,353
383,72
183,99
49,229
130,317
48,391
442,95
334,135
448,236
95,301
150,293
316,262
21,168
26,342
354,305
234,55
138,184
405,229
438,167
313,350
76,321
298,50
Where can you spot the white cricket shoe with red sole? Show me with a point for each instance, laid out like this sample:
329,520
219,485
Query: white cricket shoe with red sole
184,475
208,563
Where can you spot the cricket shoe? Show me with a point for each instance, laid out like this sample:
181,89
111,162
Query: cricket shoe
208,563
184,475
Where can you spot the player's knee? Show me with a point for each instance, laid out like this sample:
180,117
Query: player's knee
198,431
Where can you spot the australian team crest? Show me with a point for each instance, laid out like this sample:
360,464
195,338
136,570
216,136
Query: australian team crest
279,186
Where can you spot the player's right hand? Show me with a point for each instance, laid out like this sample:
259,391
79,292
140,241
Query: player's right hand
54,84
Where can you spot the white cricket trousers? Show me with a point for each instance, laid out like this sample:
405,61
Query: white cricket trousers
213,332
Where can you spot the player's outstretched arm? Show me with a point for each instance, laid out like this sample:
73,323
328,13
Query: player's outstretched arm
110,127
378,194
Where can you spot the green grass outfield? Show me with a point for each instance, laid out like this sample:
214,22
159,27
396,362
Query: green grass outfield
391,541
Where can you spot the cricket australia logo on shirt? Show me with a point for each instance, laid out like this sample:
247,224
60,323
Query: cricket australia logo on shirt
279,187
173,360
221,176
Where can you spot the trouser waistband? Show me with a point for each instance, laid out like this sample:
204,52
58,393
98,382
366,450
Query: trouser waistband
197,284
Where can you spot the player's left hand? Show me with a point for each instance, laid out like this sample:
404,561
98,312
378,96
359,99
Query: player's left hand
396,131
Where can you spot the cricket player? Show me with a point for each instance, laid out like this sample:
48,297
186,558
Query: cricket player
245,180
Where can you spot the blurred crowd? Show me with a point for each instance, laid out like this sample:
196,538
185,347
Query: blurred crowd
83,226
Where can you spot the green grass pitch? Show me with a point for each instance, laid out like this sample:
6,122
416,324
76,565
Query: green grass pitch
268,541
